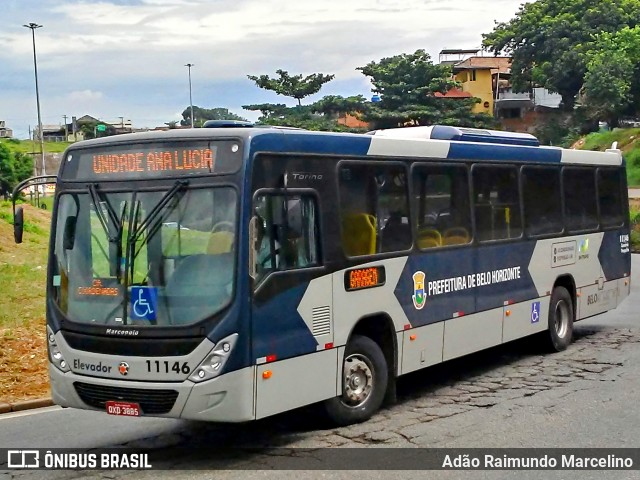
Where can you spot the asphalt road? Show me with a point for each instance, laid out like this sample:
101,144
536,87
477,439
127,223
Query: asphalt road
509,396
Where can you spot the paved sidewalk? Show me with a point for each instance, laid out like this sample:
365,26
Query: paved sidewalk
21,405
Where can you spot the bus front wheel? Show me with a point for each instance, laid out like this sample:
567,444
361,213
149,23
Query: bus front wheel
364,382
561,318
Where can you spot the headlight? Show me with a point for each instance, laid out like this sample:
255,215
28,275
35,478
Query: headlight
214,362
55,355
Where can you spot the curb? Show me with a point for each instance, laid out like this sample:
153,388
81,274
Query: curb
22,405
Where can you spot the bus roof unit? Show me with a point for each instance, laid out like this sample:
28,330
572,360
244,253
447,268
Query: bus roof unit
227,124
445,132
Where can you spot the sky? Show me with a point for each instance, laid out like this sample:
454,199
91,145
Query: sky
126,58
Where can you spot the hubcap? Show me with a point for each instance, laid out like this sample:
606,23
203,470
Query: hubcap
357,380
561,318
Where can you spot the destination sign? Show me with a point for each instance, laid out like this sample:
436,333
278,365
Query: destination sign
155,161
145,160
360,278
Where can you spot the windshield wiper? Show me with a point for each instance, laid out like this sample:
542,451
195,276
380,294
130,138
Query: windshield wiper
97,201
153,213
136,231
114,235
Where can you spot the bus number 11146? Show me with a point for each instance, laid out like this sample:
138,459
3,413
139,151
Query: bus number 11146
157,366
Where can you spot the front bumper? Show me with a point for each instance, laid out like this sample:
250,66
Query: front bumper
227,398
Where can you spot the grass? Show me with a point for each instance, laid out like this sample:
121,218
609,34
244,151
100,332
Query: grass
628,141
23,356
634,217
29,146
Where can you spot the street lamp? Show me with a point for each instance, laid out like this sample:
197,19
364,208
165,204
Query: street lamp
33,27
189,65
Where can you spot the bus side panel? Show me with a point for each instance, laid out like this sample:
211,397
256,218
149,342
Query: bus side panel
624,289
576,256
295,382
421,347
315,308
595,299
615,255
471,333
277,327
228,398
355,305
443,276
525,318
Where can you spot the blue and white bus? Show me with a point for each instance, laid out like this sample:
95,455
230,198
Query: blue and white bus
229,274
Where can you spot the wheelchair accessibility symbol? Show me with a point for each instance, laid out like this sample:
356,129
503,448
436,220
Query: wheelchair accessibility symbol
144,301
535,312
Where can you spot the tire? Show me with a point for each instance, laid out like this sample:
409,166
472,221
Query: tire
561,317
364,383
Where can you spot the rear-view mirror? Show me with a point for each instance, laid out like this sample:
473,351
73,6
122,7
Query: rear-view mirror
18,224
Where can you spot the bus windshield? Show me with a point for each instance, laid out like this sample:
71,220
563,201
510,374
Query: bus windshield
152,258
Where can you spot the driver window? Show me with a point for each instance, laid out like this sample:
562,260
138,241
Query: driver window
286,233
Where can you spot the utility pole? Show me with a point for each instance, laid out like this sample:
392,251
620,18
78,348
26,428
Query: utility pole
189,65
66,131
33,27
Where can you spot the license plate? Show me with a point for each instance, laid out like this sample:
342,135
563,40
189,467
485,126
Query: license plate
126,409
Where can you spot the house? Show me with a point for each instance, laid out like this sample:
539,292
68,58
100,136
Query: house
352,121
489,79
4,131
478,76
50,133
120,126
453,93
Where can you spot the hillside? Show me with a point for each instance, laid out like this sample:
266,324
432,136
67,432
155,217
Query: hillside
628,141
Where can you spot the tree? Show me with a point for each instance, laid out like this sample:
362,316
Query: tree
407,85
201,115
547,40
333,106
88,129
7,171
322,115
22,166
268,109
611,85
14,168
296,87
299,117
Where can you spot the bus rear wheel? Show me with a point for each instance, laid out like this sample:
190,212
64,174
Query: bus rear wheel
561,318
364,382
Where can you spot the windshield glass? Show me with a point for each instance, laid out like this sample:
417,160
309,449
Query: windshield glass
161,258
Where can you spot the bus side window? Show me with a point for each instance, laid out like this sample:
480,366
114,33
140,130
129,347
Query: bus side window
374,209
542,204
610,197
580,199
286,233
496,202
443,213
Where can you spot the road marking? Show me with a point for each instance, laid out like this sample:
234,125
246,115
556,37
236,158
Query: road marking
25,413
